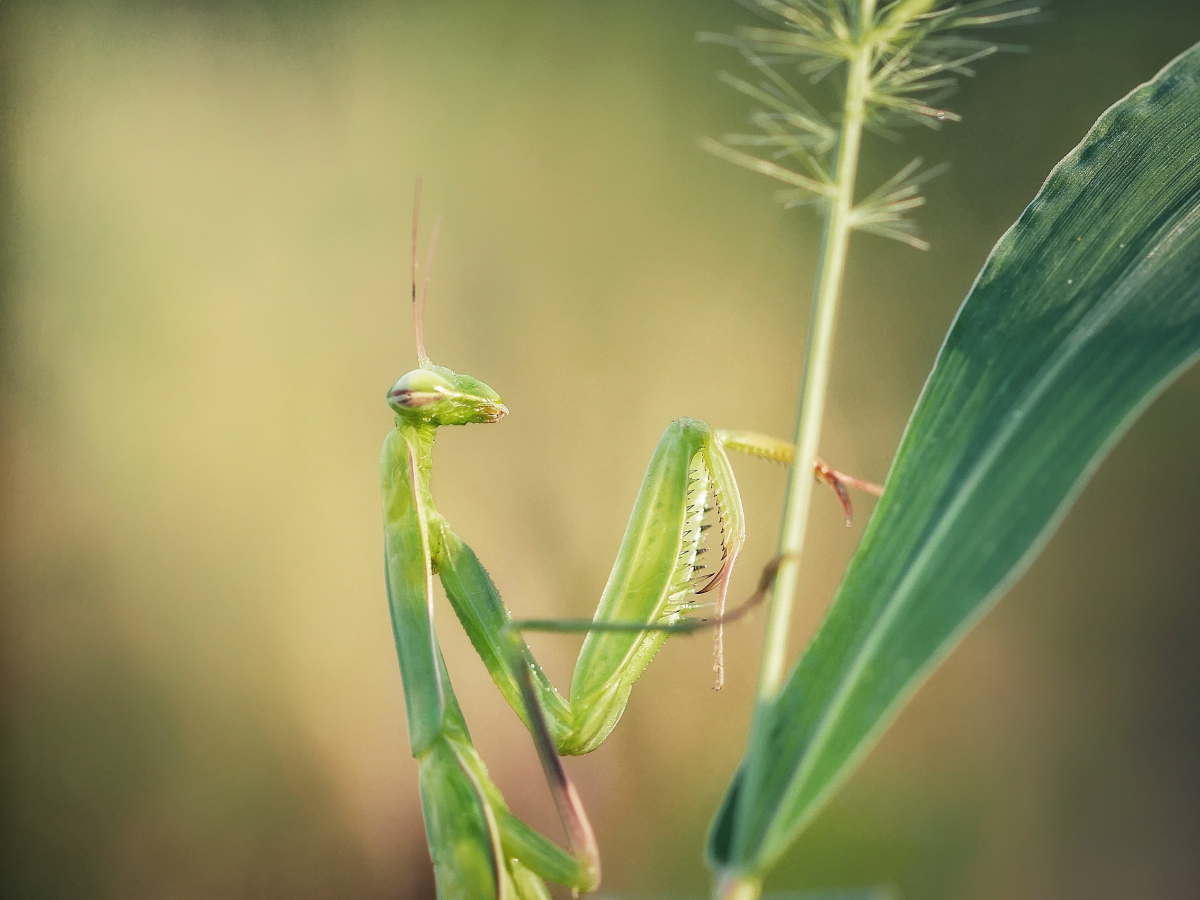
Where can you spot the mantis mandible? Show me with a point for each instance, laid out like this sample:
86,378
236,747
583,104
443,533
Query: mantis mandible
688,504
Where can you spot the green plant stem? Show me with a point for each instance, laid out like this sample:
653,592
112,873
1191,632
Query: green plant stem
818,356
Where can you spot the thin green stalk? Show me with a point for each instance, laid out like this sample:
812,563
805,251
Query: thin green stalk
818,356
815,380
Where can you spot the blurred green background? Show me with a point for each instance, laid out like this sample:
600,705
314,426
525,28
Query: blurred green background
206,213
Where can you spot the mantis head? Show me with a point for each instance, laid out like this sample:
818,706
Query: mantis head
440,396
432,394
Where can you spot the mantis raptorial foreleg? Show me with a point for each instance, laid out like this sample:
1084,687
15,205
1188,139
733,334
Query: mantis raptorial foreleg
687,509
654,581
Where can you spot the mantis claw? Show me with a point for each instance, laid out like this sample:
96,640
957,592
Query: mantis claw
822,471
827,474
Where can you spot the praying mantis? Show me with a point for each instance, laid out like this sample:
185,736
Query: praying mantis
687,506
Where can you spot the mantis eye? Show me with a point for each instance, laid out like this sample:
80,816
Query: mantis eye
418,388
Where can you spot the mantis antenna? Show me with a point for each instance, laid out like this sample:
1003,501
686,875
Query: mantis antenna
418,300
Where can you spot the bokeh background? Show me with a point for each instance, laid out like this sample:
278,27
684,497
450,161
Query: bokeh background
206,213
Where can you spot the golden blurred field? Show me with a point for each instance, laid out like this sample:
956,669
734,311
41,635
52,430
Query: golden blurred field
205,299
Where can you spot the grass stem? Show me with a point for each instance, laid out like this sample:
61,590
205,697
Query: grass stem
815,379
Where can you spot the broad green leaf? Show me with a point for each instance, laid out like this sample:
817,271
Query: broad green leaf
1086,309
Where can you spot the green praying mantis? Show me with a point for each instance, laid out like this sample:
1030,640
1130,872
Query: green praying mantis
688,506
